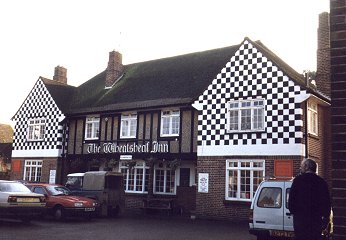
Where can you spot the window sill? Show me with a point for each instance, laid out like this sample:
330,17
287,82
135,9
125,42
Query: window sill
312,135
91,139
236,202
127,137
246,131
35,140
169,136
137,194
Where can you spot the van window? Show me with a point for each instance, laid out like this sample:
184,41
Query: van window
270,197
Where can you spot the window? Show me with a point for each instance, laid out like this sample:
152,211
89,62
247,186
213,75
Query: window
170,123
270,197
92,128
136,176
312,118
128,126
36,129
243,178
32,170
246,115
164,179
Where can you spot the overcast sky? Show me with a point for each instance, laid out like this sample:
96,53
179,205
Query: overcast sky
38,35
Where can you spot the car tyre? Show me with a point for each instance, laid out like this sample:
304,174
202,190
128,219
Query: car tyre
58,213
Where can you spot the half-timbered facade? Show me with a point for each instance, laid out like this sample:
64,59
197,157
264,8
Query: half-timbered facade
199,130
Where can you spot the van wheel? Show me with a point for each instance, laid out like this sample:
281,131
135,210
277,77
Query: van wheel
58,213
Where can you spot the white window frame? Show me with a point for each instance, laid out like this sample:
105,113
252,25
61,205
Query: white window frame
36,129
128,121
166,170
140,165
312,118
92,126
32,170
254,107
237,166
170,116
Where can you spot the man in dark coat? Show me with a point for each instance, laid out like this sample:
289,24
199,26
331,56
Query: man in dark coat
309,202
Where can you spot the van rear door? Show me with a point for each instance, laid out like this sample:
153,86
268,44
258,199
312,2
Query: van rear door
268,209
288,218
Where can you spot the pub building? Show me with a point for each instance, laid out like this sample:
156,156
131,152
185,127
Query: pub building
199,131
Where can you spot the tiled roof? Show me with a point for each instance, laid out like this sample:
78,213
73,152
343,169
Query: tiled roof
169,81
61,93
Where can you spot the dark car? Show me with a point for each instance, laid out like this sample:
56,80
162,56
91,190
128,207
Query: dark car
17,201
61,204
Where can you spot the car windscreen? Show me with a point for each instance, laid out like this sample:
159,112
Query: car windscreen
58,190
13,187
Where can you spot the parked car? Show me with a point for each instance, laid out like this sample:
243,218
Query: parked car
17,201
105,186
270,217
61,203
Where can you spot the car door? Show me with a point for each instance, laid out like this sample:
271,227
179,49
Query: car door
288,218
268,208
42,190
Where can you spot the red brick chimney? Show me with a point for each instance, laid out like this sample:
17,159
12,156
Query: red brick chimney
323,55
60,74
115,68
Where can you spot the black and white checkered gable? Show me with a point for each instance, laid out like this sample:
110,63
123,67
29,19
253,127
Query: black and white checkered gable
251,75
39,104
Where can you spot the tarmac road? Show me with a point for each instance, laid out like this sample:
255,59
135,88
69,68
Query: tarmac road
141,227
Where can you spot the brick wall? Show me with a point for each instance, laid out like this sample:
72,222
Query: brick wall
323,55
213,205
338,113
47,165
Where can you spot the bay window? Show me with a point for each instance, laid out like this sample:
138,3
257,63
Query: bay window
136,176
243,178
32,170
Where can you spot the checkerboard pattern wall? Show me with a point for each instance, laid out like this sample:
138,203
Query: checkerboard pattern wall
38,104
250,75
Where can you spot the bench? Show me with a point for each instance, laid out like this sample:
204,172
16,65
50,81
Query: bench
158,204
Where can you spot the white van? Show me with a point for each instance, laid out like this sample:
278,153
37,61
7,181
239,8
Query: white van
270,216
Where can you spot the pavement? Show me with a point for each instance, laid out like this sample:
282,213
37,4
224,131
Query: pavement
129,227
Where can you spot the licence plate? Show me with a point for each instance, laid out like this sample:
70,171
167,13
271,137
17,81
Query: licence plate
279,233
28,200
89,209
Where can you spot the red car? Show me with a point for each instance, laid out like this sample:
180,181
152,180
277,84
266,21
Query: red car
60,203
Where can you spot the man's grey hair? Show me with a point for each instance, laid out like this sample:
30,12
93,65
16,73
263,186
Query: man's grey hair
309,165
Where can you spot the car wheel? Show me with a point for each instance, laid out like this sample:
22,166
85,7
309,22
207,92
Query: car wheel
58,213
